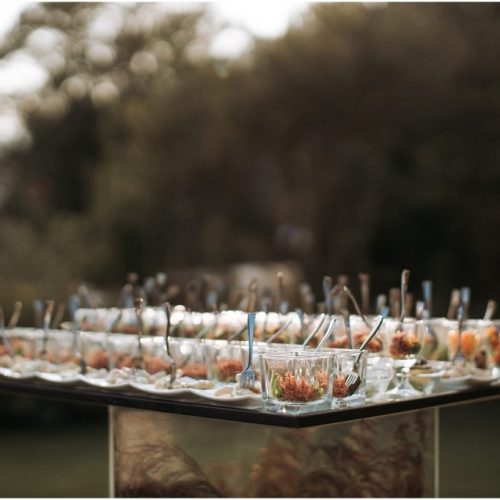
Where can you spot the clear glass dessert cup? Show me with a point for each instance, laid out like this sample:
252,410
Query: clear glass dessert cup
405,344
296,378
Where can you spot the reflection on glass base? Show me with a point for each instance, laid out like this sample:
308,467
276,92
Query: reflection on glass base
295,409
167,455
349,402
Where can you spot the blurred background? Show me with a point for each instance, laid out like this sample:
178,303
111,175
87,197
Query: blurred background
239,139
335,138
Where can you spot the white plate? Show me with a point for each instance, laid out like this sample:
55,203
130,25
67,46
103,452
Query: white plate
475,380
449,383
60,378
151,389
209,394
103,383
7,372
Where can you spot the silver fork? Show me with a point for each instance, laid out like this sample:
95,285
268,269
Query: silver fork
172,370
248,376
353,380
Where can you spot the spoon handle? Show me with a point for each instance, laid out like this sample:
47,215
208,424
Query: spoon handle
168,326
490,310
327,334
405,278
365,292
427,291
327,286
315,330
18,307
251,329
370,336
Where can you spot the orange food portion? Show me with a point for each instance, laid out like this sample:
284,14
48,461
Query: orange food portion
469,342
97,359
154,364
357,339
492,336
340,389
403,344
298,389
195,370
228,368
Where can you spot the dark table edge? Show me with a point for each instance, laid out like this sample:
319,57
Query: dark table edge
135,399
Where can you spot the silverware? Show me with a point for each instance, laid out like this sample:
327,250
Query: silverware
49,308
365,292
353,380
16,314
394,302
282,303
280,331
350,295
427,291
426,312
381,302
248,376
38,313
314,331
138,361
491,307
405,277
172,370
347,324
459,357
327,335
3,338
327,286
454,303
59,315
73,305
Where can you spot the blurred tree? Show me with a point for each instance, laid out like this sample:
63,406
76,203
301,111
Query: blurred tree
365,139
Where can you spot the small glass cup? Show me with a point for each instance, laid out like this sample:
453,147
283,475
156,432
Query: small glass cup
225,360
190,357
297,378
94,349
348,378
469,339
379,373
489,333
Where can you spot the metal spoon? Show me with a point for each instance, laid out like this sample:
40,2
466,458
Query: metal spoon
280,331
172,371
454,303
394,302
138,361
405,277
490,310
381,302
282,303
3,338
347,290
73,305
314,331
49,308
327,286
327,335
248,376
59,315
347,323
16,314
365,292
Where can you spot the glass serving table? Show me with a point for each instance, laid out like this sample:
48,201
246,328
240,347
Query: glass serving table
162,447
